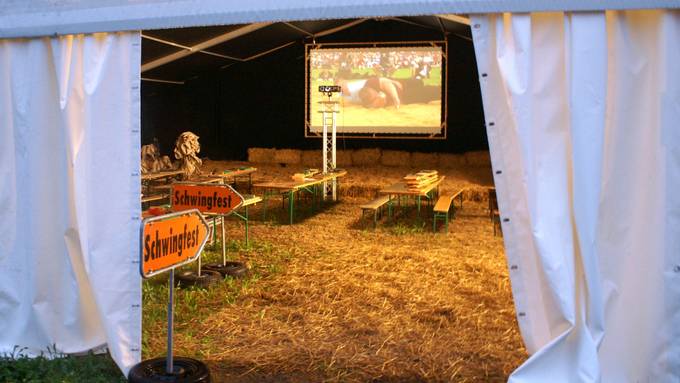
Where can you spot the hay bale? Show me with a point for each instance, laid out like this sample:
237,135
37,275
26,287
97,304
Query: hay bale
261,155
425,160
395,158
288,156
476,194
366,157
312,159
452,161
479,159
343,158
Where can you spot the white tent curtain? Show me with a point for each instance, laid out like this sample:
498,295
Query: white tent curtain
69,195
582,113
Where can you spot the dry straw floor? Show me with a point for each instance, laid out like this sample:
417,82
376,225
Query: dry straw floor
334,300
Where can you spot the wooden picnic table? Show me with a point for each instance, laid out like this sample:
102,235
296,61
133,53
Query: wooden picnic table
310,185
400,189
248,200
235,174
198,179
160,175
210,179
148,179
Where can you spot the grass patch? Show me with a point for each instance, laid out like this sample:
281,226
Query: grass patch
52,366
407,229
195,303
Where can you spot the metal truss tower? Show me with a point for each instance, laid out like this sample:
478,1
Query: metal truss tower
329,110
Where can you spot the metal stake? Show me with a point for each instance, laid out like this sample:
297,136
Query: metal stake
224,245
169,368
199,265
247,243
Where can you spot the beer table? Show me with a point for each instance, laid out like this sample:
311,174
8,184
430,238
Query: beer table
197,179
149,178
239,173
290,188
248,200
399,189
160,175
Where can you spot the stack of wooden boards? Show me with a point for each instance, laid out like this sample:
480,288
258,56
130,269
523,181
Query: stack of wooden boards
306,175
417,181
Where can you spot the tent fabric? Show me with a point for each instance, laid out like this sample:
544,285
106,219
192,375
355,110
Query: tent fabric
582,112
20,18
69,201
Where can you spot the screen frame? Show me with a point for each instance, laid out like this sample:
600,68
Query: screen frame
442,135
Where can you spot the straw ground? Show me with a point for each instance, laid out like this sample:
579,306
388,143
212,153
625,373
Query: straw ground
330,299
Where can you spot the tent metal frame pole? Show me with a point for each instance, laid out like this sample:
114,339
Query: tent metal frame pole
339,28
455,18
162,81
176,45
203,45
298,28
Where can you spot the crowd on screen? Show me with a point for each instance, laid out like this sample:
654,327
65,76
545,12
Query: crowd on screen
347,62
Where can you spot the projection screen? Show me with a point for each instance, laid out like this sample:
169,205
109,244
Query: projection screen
386,91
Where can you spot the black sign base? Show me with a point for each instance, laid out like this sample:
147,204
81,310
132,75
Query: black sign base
185,370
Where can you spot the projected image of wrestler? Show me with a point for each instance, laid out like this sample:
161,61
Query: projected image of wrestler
379,92
384,89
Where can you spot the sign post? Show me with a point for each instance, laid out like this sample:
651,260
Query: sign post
219,199
167,242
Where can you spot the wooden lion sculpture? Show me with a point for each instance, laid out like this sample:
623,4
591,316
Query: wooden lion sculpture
186,150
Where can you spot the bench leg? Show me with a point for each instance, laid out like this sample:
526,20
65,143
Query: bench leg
436,216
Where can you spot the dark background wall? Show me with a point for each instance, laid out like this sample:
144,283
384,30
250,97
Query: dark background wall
260,103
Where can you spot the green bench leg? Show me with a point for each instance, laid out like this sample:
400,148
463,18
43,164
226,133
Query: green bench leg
265,195
375,218
440,216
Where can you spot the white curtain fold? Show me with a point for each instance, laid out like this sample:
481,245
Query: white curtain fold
69,201
582,114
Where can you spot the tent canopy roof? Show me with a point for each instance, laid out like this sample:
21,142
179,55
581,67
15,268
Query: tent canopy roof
182,53
20,18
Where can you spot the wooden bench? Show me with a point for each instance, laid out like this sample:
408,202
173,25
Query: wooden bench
376,206
442,207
